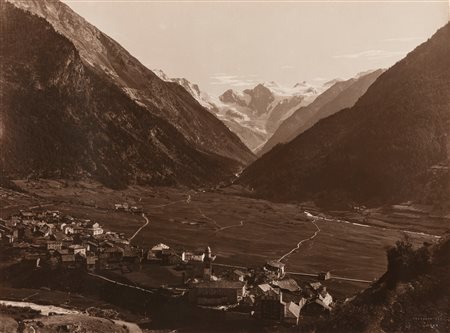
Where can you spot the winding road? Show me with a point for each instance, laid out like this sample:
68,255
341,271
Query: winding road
302,241
147,221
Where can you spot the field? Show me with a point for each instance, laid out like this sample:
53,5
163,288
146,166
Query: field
240,230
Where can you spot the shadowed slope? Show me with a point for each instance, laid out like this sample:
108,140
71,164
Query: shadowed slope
385,148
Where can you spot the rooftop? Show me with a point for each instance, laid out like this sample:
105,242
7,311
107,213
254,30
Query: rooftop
287,284
266,288
275,263
293,309
160,247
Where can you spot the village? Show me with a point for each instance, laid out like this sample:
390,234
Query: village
50,240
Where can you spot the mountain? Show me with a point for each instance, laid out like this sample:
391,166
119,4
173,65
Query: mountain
251,135
253,114
390,146
76,104
207,101
165,100
341,94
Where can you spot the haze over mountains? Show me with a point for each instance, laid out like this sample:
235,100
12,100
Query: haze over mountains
391,145
74,102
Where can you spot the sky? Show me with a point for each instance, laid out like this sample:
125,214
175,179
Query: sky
237,44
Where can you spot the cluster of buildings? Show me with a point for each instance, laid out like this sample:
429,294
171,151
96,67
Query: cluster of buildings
53,240
266,293
126,207
61,241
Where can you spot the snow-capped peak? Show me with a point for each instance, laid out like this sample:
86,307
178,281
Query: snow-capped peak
303,88
202,97
301,84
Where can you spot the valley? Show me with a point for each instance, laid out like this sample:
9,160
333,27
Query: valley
282,198
242,231
244,234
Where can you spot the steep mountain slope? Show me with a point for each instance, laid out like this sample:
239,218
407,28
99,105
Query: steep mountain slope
342,94
206,100
61,118
166,100
383,149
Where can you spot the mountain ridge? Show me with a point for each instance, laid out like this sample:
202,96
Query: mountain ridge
253,113
116,64
340,95
61,119
383,149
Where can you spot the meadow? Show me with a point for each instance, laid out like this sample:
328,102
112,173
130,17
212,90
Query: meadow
241,231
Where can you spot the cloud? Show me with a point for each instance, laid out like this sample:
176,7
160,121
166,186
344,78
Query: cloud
224,77
243,83
371,54
232,80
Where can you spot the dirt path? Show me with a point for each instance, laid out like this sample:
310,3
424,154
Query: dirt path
362,225
332,277
240,225
120,283
168,204
41,206
187,200
29,296
147,221
229,266
284,256
216,224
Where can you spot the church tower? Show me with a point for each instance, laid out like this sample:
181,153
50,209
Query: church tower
207,264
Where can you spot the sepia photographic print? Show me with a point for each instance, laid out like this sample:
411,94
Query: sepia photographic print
201,166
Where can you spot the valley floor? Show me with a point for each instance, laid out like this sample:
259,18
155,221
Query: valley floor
242,231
